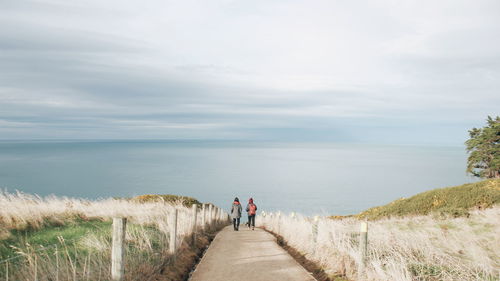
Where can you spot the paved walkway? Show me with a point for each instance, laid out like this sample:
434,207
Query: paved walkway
248,255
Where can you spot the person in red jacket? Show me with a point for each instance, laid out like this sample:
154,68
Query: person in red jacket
251,210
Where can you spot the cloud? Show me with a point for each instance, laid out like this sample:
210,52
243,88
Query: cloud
229,69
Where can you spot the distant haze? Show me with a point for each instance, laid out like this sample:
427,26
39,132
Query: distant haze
399,72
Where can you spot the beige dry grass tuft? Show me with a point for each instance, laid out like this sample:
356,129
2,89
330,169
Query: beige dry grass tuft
88,256
416,248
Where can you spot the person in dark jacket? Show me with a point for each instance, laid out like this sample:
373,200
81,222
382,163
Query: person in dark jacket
251,210
236,210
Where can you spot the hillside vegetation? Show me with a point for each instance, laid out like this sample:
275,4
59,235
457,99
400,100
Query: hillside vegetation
59,238
448,234
167,198
415,248
455,201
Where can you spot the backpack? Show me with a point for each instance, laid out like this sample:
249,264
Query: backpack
252,209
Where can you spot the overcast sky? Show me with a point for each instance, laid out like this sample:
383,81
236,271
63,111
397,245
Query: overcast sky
420,72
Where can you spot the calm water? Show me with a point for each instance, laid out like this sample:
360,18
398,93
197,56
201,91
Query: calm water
308,178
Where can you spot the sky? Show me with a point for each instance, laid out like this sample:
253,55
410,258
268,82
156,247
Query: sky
383,71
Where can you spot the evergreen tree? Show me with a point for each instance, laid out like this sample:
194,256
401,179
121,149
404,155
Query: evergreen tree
484,149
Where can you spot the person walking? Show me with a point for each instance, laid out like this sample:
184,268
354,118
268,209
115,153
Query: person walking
236,210
251,210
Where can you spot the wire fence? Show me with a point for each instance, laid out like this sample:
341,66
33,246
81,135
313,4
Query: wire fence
89,257
416,248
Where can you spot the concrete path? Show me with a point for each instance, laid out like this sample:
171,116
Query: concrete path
248,255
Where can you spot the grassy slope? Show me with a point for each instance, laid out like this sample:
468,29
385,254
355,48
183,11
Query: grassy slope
185,200
455,201
49,235
70,228
37,239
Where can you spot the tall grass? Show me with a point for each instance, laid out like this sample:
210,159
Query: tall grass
29,224
413,248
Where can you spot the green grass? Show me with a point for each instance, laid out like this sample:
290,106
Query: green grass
185,200
83,253
335,278
451,201
74,227
49,235
429,272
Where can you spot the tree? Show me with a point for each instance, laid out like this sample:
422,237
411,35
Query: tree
484,149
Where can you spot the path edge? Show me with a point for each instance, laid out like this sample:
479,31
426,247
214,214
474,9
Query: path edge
203,254
308,265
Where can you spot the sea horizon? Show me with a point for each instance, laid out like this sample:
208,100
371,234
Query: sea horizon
286,176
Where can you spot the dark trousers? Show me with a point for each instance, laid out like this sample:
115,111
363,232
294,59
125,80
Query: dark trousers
236,223
251,220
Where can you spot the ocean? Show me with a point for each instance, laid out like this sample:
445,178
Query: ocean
310,178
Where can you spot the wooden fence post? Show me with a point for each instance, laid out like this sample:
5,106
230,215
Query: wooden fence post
173,233
279,222
363,248
315,229
216,217
203,217
195,215
210,216
57,264
118,249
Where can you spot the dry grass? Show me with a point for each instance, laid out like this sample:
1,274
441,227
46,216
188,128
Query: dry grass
87,257
414,248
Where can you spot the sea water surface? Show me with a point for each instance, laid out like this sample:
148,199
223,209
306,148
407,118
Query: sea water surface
311,178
